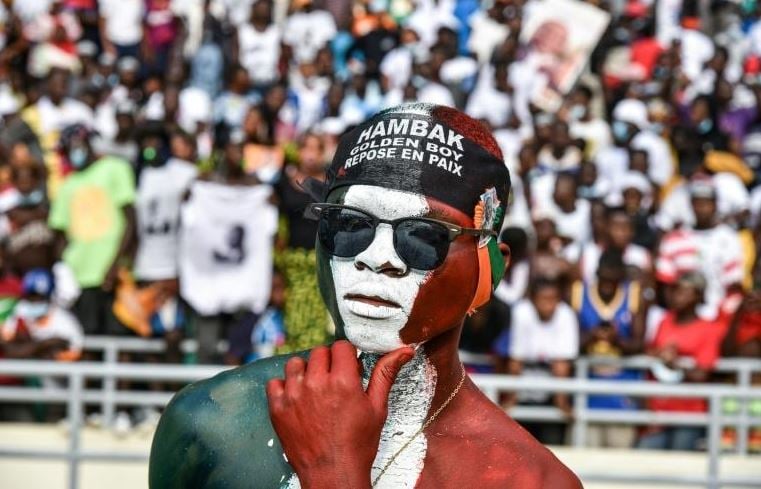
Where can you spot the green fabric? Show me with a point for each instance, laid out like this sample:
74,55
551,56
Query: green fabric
305,316
7,304
88,209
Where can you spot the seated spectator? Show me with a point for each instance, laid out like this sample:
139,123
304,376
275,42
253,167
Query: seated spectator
612,321
544,341
743,339
40,326
514,284
682,333
482,329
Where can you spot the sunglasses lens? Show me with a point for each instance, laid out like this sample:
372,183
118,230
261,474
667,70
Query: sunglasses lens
345,232
421,244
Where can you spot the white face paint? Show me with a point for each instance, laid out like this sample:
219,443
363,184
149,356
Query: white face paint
375,306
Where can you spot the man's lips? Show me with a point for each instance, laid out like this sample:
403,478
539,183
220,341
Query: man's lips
373,300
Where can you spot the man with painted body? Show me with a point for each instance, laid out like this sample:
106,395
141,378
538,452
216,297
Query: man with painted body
406,249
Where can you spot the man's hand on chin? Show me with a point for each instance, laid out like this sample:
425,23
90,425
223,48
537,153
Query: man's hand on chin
328,425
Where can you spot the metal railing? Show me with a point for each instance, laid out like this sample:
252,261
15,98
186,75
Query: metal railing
743,369
75,395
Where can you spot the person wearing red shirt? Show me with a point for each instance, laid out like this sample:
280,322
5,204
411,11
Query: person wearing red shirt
683,334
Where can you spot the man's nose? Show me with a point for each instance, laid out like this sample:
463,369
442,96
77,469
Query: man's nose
380,256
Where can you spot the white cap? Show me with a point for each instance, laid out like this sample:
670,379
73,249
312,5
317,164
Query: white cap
8,103
637,181
632,111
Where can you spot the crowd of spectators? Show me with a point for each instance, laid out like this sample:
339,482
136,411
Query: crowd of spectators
151,153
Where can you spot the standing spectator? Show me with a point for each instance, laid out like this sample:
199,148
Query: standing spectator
257,47
711,248
162,28
30,243
228,228
544,341
571,214
94,219
305,316
164,181
121,27
619,233
682,333
55,35
612,321
637,193
122,144
595,131
307,30
56,110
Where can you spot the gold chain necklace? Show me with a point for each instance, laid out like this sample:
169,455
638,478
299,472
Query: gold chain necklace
422,428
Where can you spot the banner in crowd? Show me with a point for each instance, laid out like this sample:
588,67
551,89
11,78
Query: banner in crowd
560,36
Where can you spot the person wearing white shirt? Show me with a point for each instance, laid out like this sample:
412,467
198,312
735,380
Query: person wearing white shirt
121,26
544,340
583,124
571,214
258,45
55,110
488,30
396,67
308,30
163,185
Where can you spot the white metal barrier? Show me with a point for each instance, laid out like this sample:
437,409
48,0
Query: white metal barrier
743,369
76,396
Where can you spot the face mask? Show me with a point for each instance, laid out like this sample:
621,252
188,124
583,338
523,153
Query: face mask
154,157
78,157
577,112
31,311
620,131
705,126
32,199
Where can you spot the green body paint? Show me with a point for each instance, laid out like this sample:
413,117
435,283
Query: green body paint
217,434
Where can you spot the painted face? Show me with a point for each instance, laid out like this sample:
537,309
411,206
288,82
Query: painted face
382,303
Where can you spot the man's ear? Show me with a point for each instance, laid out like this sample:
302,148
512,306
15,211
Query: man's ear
506,254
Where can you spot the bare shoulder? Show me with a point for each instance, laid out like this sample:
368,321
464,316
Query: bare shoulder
500,452
209,425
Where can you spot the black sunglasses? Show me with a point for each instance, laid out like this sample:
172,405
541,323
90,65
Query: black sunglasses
420,242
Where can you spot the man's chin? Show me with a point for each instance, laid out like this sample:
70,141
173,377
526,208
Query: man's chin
371,340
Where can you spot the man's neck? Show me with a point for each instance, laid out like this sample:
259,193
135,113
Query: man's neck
423,385
436,361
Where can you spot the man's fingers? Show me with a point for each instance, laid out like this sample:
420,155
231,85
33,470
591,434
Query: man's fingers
343,360
294,374
384,375
319,361
275,390
294,368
